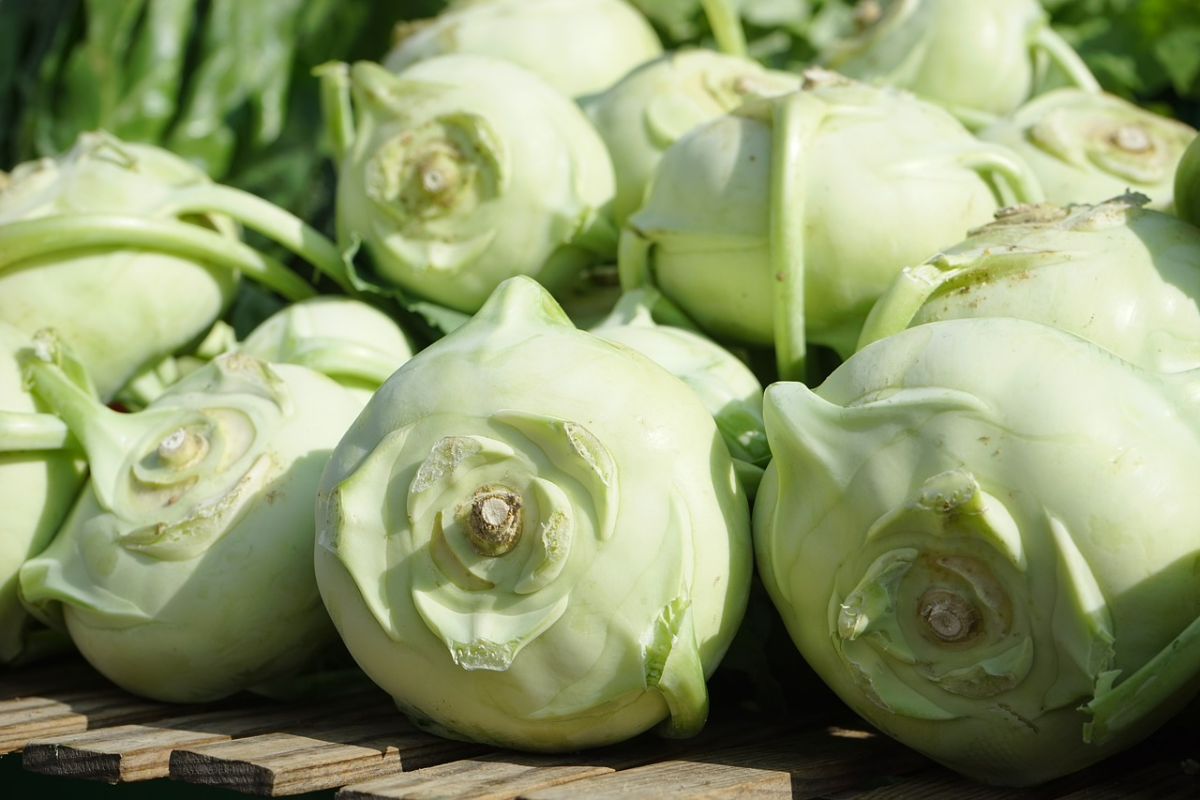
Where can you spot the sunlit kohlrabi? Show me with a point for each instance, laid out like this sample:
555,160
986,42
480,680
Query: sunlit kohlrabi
184,572
782,221
131,253
577,46
980,60
723,382
1088,146
41,473
1118,273
534,537
640,116
978,531
465,170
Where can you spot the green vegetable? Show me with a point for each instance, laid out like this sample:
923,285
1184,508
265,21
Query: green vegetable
534,537
1118,273
41,473
136,223
465,170
972,528
184,572
1187,184
1088,146
577,46
645,112
782,221
981,59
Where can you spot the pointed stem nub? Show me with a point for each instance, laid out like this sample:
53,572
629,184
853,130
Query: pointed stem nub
494,521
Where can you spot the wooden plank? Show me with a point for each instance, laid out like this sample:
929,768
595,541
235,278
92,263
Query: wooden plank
285,763
23,719
806,763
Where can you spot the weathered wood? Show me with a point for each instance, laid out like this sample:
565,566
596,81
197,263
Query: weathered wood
278,764
497,777
23,719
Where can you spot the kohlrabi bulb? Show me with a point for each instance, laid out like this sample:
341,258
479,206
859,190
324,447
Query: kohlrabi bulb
982,535
647,110
41,473
783,220
1086,147
577,46
1187,184
465,170
1118,273
131,253
535,538
184,572
979,59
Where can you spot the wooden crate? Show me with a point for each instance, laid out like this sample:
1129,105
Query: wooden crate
63,719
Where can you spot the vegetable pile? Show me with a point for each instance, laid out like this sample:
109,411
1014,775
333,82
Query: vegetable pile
526,362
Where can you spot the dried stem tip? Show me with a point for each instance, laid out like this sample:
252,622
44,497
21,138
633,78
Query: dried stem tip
948,617
494,521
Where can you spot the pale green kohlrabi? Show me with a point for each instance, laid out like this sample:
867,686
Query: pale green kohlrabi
184,572
535,538
41,473
465,170
782,221
982,535
645,112
1118,273
979,59
1087,146
1187,184
131,253
728,387
577,46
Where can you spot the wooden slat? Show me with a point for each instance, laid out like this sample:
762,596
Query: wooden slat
125,753
278,764
23,719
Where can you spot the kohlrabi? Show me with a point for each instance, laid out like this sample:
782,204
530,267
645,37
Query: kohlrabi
1118,273
645,112
1187,184
534,537
1087,146
977,530
41,473
783,220
980,59
723,382
577,46
184,572
131,253
464,170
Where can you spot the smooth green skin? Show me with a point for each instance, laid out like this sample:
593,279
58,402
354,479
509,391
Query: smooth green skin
719,221
1187,184
1087,147
523,179
1064,472
632,570
40,477
216,603
579,47
980,59
1117,273
650,108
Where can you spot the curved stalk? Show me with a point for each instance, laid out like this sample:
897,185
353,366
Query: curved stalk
266,218
336,109
1063,56
726,26
25,431
48,235
633,260
347,361
797,116
987,160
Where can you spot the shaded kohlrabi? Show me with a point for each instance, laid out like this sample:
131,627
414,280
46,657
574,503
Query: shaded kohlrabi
1187,184
783,220
131,253
977,530
534,537
1117,273
577,46
184,572
464,170
979,60
651,107
1087,146
723,382
41,473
